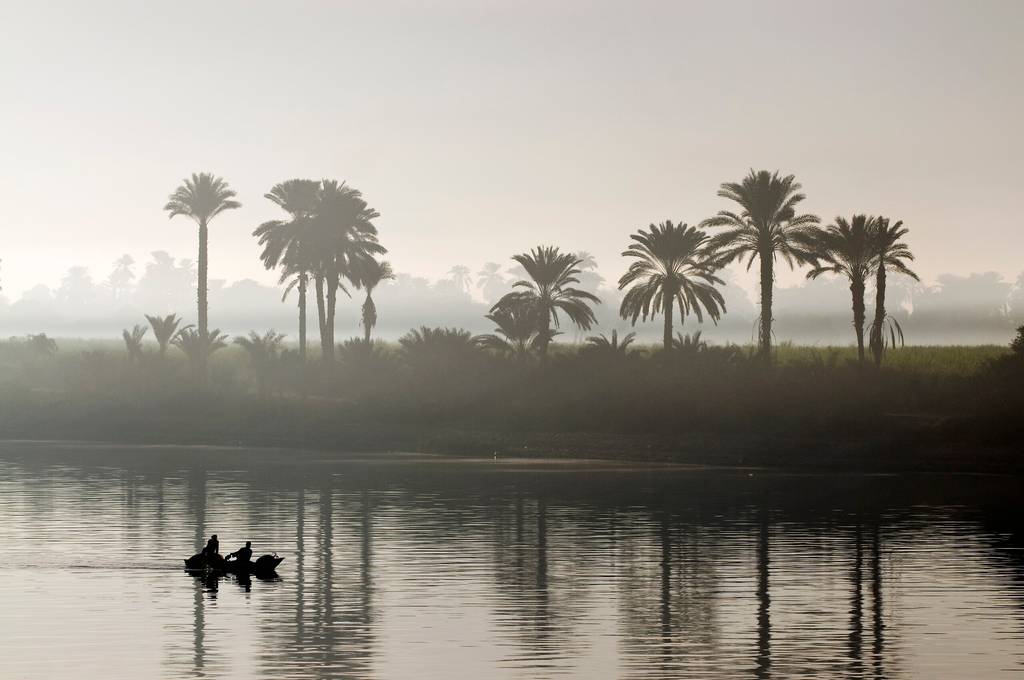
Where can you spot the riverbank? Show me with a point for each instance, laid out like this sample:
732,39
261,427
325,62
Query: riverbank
941,410
907,444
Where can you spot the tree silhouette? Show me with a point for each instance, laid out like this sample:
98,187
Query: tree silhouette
264,352
287,242
672,267
890,253
198,347
766,227
549,291
165,329
133,341
41,345
847,248
517,333
490,281
201,198
120,280
371,272
611,346
77,289
689,345
460,277
342,236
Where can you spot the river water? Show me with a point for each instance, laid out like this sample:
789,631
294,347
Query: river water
408,566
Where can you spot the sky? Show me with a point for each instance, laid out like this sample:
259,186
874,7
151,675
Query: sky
481,129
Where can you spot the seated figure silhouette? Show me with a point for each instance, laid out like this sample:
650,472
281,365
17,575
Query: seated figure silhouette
212,548
243,554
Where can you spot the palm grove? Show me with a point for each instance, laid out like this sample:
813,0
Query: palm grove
326,243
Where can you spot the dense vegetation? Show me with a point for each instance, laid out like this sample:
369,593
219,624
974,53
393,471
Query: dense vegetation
436,382
198,382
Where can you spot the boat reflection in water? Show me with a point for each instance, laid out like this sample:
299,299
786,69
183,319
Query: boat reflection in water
405,566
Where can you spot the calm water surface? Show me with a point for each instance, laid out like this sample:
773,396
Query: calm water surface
405,566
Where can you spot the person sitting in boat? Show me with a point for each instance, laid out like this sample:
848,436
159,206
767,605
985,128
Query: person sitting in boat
243,554
212,547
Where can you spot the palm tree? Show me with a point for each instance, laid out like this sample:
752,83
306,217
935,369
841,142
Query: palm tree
198,347
587,261
438,351
120,280
201,198
766,227
460,277
517,333
549,291
673,267
264,351
611,346
133,341
847,248
490,281
342,237
890,253
286,241
371,272
689,345
165,329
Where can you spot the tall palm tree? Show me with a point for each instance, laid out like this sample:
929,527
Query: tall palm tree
891,253
201,198
549,290
371,273
672,267
847,248
767,226
286,241
165,329
342,237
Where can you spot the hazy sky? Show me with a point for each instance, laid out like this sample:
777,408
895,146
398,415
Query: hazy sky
479,129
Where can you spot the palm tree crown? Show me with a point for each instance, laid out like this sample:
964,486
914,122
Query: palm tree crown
766,226
282,240
611,346
672,267
165,329
201,198
549,291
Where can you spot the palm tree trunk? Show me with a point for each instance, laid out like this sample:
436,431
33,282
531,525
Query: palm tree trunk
303,282
545,328
321,313
332,302
857,290
667,337
767,282
366,319
877,341
203,304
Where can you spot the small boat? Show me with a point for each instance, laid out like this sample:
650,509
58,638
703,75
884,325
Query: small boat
264,565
